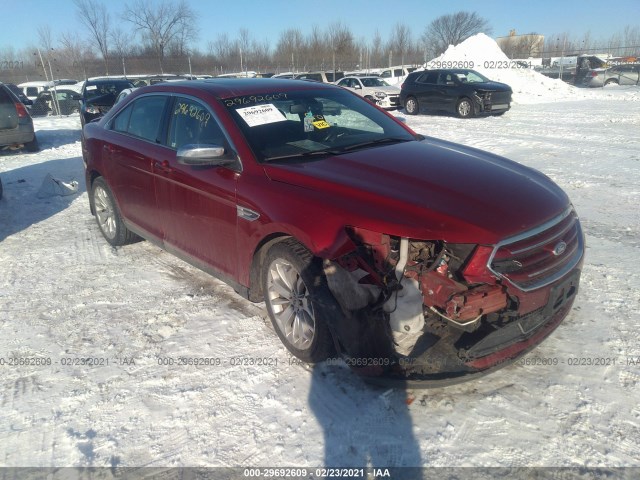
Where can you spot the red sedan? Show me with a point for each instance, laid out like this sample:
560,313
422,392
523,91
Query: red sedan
409,257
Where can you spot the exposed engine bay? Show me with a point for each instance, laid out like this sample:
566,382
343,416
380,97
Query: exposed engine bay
430,309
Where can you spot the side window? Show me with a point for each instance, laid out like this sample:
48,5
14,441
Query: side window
430,77
445,79
121,122
32,91
192,123
146,117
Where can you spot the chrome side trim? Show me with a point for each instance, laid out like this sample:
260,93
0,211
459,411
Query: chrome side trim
247,214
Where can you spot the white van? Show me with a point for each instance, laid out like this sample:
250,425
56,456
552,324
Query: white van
32,89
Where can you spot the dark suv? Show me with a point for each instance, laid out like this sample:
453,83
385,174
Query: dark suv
99,95
464,92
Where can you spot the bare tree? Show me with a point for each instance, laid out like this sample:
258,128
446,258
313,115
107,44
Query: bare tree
76,53
289,47
340,41
244,44
452,29
400,40
95,17
45,47
161,24
261,53
122,42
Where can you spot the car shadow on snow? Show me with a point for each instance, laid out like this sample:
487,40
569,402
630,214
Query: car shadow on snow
21,206
56,138
364,426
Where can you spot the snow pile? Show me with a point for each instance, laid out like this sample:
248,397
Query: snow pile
483,54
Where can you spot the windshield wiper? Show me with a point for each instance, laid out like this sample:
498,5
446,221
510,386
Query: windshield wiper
376,142
302,155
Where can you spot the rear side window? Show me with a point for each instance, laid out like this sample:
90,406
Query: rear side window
429,77
8,113
32,91
5,97
121,122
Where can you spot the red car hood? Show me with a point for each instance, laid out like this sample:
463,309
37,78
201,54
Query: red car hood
428,190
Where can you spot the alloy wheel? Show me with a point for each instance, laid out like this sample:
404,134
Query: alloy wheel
105,212
290,303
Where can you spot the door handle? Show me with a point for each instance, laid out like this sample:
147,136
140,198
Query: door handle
163,166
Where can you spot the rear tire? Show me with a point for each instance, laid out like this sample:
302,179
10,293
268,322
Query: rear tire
411,106
108,216
298,300
611,81
33,145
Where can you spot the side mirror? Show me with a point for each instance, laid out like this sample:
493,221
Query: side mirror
203,154
357,86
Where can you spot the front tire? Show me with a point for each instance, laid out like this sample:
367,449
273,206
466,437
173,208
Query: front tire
298,300
411,106
108,216
464,108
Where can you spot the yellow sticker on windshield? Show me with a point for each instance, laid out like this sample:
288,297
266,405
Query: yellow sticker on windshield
320,124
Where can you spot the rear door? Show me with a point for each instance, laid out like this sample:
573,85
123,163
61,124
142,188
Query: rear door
447,91
198,203
425,92
129,161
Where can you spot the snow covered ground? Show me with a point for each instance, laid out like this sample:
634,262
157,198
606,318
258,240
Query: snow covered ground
65,294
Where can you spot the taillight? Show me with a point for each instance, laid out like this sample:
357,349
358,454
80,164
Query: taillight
22,111
401,85
593,74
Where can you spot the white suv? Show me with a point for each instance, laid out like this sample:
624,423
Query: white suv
374,89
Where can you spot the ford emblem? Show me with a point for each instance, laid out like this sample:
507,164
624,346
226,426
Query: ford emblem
559,249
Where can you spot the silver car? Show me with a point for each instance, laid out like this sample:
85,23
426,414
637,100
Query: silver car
16,125
626,74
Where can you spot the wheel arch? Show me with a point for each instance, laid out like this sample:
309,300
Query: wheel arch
91,177
257,262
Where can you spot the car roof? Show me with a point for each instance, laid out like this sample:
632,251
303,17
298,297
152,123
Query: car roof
235,87
100,81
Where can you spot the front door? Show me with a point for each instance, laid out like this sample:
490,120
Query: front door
198,203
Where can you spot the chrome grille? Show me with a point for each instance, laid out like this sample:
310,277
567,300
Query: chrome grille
540,256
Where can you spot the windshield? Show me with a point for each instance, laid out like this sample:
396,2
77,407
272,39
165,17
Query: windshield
311,123
105,89
470,76
374,82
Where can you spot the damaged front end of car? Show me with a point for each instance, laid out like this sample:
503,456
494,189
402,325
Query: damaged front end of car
434,311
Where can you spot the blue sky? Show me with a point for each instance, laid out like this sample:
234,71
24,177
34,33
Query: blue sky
266,19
